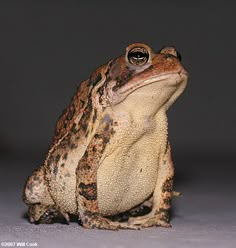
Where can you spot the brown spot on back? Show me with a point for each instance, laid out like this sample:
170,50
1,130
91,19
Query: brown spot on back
55,170
57,158
65,156
73,146
73,129
88,191
85,167
94,115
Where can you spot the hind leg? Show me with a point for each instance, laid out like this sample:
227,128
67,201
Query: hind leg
42,208
159,216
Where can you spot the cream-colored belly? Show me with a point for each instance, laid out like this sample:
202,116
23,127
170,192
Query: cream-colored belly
128,176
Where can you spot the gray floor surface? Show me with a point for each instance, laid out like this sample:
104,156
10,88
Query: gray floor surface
204,217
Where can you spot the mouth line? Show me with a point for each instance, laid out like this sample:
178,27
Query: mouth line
167,75
154,79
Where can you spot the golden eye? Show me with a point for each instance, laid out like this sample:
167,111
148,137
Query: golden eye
138,56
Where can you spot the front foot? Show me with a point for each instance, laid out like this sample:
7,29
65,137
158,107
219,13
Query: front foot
95,221
40,214
150,220
53,215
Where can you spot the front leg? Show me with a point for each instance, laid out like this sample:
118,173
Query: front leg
159,216
86,184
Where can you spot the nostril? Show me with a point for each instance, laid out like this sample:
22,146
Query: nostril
178,56
167,55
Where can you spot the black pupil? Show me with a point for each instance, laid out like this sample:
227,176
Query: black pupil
138,56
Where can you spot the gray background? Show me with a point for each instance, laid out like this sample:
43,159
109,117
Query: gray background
47,49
